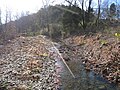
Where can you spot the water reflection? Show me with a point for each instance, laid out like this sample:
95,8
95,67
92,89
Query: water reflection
84,80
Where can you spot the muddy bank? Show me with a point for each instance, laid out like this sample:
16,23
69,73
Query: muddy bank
100,53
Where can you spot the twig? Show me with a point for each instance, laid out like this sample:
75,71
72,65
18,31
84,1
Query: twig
63,60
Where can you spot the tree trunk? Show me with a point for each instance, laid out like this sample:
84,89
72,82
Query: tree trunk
98,16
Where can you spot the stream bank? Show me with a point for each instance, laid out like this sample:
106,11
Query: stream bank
100,57
32,63
26,63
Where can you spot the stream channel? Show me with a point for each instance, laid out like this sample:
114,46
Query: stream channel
83,80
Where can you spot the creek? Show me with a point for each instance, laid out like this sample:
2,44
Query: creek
84,80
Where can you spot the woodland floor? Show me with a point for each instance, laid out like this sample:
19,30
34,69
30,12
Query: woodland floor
99,53
26,63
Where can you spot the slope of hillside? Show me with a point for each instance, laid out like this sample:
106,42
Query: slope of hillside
26,64
99,53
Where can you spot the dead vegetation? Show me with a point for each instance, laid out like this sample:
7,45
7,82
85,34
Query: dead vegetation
101,53
25,65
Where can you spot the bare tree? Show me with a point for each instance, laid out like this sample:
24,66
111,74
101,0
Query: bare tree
9,29
16,17
86,10
89,9
105,9
0,21
83,14
98,14
46,4
6,18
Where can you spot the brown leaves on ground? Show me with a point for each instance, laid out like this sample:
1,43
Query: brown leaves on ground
101,53
22,59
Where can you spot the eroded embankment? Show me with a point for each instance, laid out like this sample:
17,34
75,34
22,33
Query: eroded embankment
100,53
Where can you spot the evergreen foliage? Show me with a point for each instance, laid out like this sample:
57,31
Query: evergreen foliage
70,20
112,10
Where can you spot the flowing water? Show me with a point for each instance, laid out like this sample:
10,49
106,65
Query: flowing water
83,80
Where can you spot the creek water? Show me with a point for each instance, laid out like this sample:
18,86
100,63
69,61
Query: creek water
83,80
